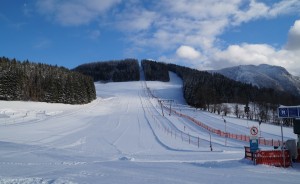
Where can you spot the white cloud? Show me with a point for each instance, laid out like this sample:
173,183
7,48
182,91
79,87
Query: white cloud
167,24
201,10
255,10
74,12
188,30
212,24
285,7
246,53
294,37
256,54
136,19
187,52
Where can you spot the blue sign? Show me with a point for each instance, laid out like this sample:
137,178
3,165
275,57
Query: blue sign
289,112
293,112
253,145
283,112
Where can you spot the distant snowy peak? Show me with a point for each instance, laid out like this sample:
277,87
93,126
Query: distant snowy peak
264,76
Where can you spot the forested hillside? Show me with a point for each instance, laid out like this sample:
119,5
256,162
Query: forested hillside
155,71
212,91
202,89
263,75
116,71
40,82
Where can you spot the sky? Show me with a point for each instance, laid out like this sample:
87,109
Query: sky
202,34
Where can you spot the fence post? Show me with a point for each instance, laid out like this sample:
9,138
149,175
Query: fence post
280,143
210,142
181,136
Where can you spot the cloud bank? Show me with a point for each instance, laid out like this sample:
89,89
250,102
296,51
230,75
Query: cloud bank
74,12
185,31
288,56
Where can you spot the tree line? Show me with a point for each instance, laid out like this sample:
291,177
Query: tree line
29,81
111,71
213,91
155,71
202,89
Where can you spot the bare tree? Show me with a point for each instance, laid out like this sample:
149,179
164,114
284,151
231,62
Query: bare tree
237,111
225,109
218,108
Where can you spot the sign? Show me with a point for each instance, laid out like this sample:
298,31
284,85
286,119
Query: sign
253,143
289,112
254,131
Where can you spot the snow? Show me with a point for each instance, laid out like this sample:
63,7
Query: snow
122,137
264,76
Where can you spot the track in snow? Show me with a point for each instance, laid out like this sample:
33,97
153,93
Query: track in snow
113,138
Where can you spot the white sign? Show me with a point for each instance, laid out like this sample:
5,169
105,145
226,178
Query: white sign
254,131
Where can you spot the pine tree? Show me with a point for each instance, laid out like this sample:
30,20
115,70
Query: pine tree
41,82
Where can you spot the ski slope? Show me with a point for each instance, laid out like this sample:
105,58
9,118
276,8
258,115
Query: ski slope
122,137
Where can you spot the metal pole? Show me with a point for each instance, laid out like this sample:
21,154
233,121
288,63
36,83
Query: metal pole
170,108
259,130
225,133
210,142
247,122
282,149
162,109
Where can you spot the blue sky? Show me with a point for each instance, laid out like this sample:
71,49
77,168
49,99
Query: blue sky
203,34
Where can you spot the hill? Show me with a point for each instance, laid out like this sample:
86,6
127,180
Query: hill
115,70
210,91
155,71
202,88
264,75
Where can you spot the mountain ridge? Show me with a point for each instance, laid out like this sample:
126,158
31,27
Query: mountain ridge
263,75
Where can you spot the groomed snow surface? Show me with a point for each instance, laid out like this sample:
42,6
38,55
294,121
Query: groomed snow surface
122,137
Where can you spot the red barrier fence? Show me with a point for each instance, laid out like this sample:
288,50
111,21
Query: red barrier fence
248,154
276,158
264,142
269,157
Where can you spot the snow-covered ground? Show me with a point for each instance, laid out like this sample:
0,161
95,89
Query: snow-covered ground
122,138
